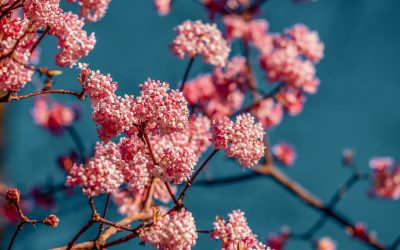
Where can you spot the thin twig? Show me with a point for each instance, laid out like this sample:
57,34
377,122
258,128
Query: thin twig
79,95
171,193
19,227
186,74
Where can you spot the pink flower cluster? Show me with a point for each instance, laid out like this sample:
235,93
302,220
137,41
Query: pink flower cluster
53,116
242,139
235,234
162,6
269,112
325,243
15,44
197,38
73,41
176,230
92,10
220,93
285,153
102,174
386,178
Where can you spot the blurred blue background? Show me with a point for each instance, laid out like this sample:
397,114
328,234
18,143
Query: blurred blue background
357,106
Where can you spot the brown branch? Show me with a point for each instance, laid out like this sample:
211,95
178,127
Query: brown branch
46,31
171,193
186,74
10,8
19,227
189,183
10,98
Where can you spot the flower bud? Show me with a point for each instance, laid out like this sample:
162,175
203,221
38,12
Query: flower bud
51,220
13,195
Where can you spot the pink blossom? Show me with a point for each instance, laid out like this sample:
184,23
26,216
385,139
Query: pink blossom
138,171
242,139
128,201
43,13
73,41
292,100
199,133
162,6
235,234
13,195
251,31
277,241
176,160
51,220
386,178
360,231
195,38
98,86
102,174
325,243
269,113
160,106
176,230
53,116
284,153
15,43
222,92
307,41
93,10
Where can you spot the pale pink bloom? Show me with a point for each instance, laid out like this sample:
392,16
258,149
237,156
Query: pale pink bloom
112,116
284,153
15,43
128,201
325,243
161,192
196,38
307,41
96,85
386,178
176,159
53,116
251,31
102,174
222,92
43,13
199,89
242,139
73,42
93,10
139,165
199,133
158,105
292,100
235,233
269,113
163,7
176,230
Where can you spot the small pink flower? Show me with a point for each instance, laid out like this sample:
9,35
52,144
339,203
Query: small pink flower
13,195
269,113
386,178
54,116
235,233
292,100
163,7
196,38
284,153
93,10
277,241
242,139
51,220
307,41
325,243
176,230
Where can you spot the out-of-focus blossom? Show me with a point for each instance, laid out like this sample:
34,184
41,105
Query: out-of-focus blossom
277,241
284,153
307,41
53,116
196,38
176,230
43,198
220,93
128,201
242,139
66,162
360,231
269,113
163,7
235,233
325,243
292,100
92,10
386,178
348,156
